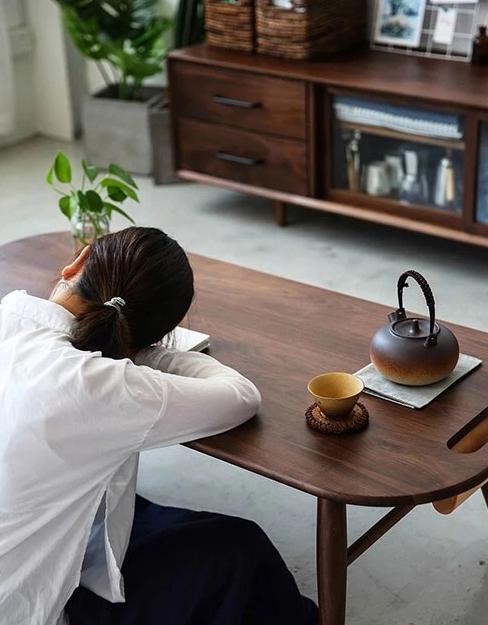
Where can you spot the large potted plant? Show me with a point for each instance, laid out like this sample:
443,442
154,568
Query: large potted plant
125,38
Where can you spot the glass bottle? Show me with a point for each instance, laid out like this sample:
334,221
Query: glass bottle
480,47
85,231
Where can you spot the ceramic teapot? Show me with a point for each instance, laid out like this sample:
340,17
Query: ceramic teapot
411,350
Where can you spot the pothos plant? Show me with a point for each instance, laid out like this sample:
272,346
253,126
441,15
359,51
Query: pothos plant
90,206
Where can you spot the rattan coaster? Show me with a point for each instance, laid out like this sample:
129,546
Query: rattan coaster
357,420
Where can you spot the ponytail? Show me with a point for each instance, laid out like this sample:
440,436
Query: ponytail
102,328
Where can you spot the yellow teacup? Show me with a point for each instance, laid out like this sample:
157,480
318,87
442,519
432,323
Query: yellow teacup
336,393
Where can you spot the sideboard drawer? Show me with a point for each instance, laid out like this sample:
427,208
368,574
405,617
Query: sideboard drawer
244,156
242,99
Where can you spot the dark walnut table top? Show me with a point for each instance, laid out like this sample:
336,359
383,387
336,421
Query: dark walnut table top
280,334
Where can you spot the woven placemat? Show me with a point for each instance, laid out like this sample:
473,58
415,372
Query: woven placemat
357,420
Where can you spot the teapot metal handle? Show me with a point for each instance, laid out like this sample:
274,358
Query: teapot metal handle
429,299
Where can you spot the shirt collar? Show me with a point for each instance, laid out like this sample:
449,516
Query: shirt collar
42,311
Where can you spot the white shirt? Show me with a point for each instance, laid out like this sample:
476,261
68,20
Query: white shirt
71,426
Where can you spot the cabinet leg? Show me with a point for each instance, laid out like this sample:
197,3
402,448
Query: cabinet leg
331,561
280,213
484,490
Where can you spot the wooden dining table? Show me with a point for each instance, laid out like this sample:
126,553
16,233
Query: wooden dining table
280,334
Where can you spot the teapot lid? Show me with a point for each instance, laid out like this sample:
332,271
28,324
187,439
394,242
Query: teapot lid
414,328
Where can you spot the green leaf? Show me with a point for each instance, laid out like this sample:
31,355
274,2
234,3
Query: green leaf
122,212
111,183
65,206
115,170
83,201
91,172
62,167
117,195
95,202
50,174
127,35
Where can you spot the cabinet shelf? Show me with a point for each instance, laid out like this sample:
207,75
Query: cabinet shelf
429,212
435,185
449,144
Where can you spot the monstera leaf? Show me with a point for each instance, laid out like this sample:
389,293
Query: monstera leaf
127,34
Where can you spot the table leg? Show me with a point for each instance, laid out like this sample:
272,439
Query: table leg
280,213
331,561
484,490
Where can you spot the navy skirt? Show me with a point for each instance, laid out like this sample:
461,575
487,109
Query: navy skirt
197,568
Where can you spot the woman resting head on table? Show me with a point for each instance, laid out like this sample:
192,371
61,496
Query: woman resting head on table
83,389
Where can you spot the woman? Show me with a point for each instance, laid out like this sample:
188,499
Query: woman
83,389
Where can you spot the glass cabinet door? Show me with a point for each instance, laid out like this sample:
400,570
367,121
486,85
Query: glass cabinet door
410,155
482,203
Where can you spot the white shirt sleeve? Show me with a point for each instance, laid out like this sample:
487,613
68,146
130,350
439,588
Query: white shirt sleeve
202,397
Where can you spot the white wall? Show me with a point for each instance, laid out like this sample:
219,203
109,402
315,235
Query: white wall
24,125
77,82
484,12
41,86
51,91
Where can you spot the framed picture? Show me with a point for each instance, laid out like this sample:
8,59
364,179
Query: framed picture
399,22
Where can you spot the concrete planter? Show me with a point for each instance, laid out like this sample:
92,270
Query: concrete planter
160,125
117,131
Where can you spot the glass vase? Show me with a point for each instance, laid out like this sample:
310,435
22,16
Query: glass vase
85,230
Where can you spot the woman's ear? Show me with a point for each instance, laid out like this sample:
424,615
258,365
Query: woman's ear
72,270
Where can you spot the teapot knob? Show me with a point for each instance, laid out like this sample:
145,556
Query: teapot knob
415,329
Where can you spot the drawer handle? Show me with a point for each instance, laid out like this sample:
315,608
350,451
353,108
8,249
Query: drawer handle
240,160
242,104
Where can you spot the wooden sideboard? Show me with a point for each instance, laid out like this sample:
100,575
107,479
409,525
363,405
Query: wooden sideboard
273,128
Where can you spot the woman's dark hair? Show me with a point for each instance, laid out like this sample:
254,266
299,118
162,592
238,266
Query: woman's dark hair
151,273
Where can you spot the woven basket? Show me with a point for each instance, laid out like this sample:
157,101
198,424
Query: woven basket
311,29
230,25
